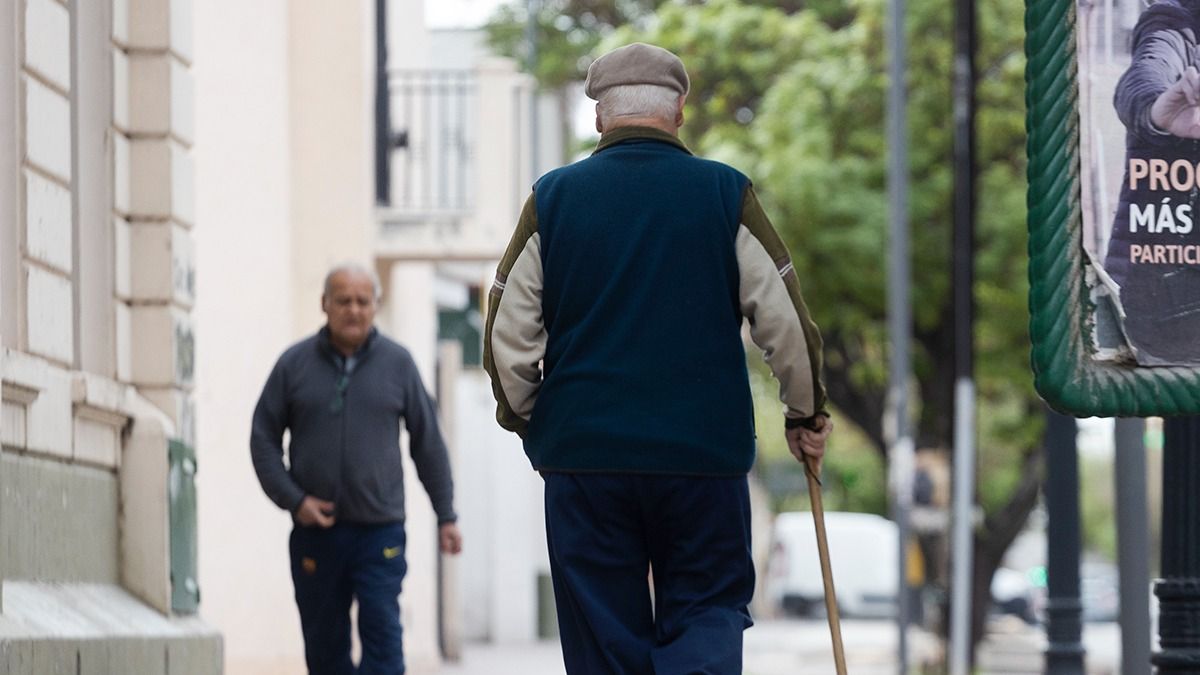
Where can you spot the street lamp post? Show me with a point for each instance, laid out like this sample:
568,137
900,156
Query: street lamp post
899,310
1064,621
1178,590
1133,543
533,8
963,535
383,119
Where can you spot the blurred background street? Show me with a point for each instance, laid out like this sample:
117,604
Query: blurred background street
177,176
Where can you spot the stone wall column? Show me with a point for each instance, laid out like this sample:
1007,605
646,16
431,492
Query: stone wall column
153,202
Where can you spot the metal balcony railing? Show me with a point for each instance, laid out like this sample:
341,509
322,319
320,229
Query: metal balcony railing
430,143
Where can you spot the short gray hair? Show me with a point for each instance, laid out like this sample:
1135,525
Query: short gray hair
637,100
353,268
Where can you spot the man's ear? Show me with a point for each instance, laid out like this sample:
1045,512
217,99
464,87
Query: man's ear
679,113
599,124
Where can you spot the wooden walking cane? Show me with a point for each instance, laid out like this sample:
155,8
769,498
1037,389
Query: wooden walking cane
831,608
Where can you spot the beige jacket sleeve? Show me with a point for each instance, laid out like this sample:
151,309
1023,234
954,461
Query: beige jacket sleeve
769,292
514,339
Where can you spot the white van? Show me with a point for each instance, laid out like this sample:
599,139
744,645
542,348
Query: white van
863,550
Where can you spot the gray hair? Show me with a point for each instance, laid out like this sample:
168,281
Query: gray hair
637,100
353,268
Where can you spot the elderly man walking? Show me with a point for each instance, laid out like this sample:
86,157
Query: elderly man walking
614,345
342,394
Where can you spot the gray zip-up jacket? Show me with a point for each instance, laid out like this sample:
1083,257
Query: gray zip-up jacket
344,418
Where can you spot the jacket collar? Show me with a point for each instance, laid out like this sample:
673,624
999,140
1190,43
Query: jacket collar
625,134
326,344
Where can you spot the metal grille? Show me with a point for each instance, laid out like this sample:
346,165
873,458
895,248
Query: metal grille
432,143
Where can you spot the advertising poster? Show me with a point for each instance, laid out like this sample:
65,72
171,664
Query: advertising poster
1139,104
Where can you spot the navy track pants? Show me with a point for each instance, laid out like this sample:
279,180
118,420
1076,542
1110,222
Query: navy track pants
332,567
606,532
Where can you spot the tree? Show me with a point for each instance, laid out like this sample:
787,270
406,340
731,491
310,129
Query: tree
568,31
794,96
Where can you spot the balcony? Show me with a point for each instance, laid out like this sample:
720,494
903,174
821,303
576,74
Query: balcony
431,146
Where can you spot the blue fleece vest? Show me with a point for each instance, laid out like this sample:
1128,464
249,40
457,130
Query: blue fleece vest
644,368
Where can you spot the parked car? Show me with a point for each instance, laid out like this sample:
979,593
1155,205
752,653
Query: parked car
1014,593
863,551
1099,591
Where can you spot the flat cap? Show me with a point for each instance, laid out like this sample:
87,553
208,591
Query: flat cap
637,63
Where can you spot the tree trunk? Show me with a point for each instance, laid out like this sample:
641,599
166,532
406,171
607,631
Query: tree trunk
997,534
935,428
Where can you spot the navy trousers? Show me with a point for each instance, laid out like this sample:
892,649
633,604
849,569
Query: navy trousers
606,532
330,568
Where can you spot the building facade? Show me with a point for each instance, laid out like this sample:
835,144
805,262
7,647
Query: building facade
98,566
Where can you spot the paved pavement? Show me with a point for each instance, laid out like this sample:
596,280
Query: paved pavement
795,647
540,658
772,648
1015,647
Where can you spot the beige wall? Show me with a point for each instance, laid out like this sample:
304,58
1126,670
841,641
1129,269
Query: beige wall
244,313
330,76
407,34
96,180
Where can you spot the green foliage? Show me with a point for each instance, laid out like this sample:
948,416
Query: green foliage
567,33
853,474
569,30
1097,494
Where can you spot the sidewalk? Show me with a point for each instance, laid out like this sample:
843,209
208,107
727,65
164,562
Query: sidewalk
1012,646
538,658
788,647
771,648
